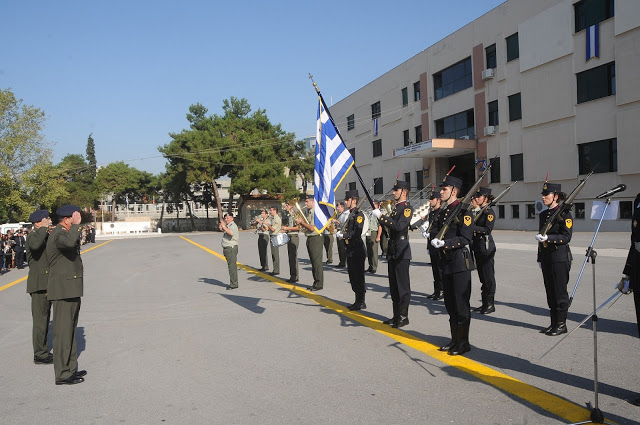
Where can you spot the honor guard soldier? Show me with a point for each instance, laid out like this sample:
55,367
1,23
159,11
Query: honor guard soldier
65,289
274,223
230,248
37,285
292,229
456,265
434,255
315,244
632,266
554,258
398,253
356,251
484,250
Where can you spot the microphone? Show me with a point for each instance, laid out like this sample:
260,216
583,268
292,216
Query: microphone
618,188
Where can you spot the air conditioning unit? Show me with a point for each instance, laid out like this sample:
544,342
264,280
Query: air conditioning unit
490,130
540,207
464,137
488,73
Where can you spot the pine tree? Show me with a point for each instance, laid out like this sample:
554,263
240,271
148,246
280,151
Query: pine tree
91,157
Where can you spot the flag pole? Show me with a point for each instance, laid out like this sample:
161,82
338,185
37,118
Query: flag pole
366,192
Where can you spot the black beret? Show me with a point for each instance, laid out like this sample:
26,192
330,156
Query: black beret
434,195
547,188
451,181
486,191
67,210
400,184
351,194
38,215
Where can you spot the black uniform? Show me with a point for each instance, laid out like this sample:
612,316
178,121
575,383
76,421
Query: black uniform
554,256
19,250
399,258
435,258
632,266
356,252
484,251
456,265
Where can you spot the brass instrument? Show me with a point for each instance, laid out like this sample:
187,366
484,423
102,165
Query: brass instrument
297,211
387,206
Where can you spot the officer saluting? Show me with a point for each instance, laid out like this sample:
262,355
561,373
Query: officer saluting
356,251
398,253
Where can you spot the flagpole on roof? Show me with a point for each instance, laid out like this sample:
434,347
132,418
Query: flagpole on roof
366,191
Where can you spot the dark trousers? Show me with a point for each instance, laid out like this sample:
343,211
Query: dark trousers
556,278
486,274
19,259
231,255
384,243
40,312
342,252
292,250
400,285
457,293
65,349
435,267
372,252
314,249
355,267
263,245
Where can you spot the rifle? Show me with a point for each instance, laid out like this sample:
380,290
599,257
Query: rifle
464,204
565,205
494,202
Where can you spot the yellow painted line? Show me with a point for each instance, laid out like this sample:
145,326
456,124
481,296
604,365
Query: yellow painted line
22,279
551,403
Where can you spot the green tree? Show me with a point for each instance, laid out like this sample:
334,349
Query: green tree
91,157
123,182
79,184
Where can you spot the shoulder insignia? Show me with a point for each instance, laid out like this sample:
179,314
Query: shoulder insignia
360,219
467,220
407,212
490,217
568,222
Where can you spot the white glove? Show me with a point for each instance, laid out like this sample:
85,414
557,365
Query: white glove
339,235
637,245
623,285
541,238
539,264
437,243
376,213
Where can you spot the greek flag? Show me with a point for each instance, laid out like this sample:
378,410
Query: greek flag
333,162
593,42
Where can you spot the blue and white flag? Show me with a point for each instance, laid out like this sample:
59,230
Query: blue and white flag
333,162
593,42
375,126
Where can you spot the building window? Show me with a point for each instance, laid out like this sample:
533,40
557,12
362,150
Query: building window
493,112
580,210
416,91
599,157
377,186
405,97
515,211
405,138
419,180
531,211
352,186
453,79
375,111
418,130
626,209
590,12
500,211
490,55
495,170
515,107
456,126
596,82
377,148
351,122
352,151
407,178
517,169
513,49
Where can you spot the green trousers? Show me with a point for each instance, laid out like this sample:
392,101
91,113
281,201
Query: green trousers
65,349
231,254
40,312
315,245
275,257
292,249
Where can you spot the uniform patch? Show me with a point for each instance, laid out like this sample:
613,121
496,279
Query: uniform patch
467,220
490,217
407,212
568,222
360,220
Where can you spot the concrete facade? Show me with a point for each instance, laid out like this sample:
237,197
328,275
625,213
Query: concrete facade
552,126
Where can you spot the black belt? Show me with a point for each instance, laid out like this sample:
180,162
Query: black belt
399,238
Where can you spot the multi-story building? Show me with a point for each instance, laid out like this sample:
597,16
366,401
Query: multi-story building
515,87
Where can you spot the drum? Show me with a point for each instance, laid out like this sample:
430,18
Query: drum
279,239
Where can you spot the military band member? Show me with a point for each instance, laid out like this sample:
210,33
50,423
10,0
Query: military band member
456,264
554,258
37,285
373,234
338,222
65,289
230,248
314,244
327,240
292,229
274,223
484,250
356,252
263,239
398,253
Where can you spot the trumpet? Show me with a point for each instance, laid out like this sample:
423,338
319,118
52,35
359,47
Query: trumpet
259,224
386,206
297,211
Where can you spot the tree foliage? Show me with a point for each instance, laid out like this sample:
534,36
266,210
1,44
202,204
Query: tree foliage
91,157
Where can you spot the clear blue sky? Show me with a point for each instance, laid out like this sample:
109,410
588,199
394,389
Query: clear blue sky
127,71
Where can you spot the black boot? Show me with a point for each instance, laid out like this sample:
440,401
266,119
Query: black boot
359,304
489,307
453,325
393,319
483,306
552,313
463,341
437,291
561,324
